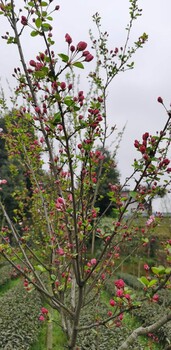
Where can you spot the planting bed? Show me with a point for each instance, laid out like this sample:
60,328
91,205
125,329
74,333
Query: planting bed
19,324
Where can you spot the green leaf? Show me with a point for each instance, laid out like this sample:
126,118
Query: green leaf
53,277
57,118
50,18
46,27
68,101
133,194
145,240
168,270
78,65
38,22
31,3
143,280
40,268
158,270
64,57
34,33
41,73
43,3
152,283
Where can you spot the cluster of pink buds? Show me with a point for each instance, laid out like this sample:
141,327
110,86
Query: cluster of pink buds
60,204
80,47
44,314
120,291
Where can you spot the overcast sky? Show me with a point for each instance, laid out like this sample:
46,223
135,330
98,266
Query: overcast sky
132,95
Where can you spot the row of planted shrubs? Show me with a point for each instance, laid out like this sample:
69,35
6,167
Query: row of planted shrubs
19,318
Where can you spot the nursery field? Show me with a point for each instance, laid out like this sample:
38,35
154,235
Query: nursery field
20,327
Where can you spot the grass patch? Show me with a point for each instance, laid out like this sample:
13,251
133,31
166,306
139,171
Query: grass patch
8,285
59,338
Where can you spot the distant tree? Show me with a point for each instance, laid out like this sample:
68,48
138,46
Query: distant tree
109,176
13,171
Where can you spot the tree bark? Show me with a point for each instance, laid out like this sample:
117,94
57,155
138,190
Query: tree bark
144,330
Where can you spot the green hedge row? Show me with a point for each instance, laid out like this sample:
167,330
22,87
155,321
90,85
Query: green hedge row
19,318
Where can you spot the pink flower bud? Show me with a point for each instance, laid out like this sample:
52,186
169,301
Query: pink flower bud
24,20
41,318
155,298
72,48
112,302
93,261
86,53
60,251
44,310
37,109
32,63
146,267
89,58
81,46
160,100
3,182
68,39
63,85
120,283
119,293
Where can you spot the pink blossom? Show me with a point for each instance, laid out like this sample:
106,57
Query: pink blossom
127,296
3,182
150,220
60,204
121,317
120,293
93,261
42,139
120,283
109,313
112,302
146,267
155,298
60,251
44,310
60,127
70,198
41,318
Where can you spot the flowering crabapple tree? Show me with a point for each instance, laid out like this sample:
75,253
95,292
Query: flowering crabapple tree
60,122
